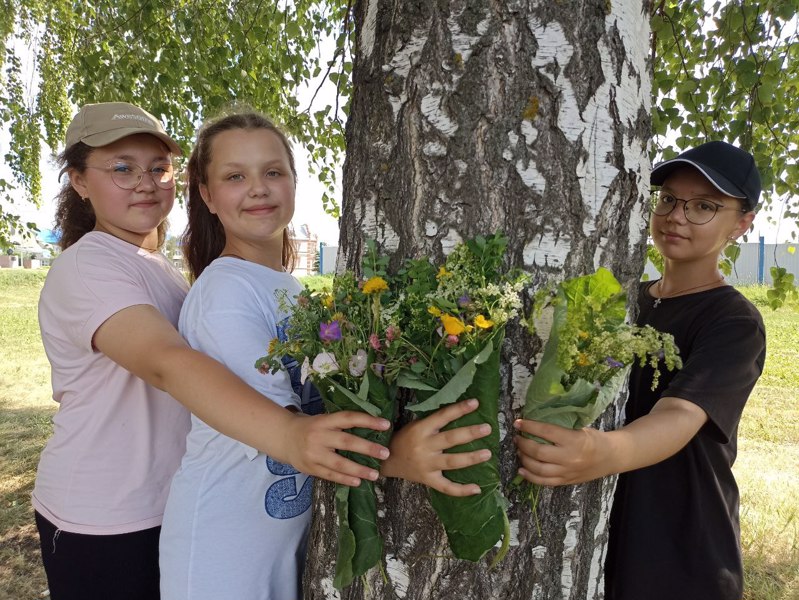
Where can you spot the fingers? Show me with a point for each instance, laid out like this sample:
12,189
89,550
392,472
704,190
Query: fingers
538,471
462,435
536,450
541,480
450,488
341,440
444,416
459,460
339,469
316,440
546,431
347,419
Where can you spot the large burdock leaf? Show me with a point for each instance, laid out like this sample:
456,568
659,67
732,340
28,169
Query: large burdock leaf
473,524
360,546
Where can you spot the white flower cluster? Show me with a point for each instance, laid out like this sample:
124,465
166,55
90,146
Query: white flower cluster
506,299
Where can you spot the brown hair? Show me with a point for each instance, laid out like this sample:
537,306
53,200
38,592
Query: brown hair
74,216
204,237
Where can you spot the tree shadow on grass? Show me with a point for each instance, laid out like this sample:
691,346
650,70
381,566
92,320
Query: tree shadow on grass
23,433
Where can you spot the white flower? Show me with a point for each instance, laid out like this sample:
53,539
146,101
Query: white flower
324,364
357,363
305,370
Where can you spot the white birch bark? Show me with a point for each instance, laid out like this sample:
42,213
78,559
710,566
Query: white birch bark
472,116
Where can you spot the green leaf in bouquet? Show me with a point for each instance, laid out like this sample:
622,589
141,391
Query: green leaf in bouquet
346,539
360,544
474,524
458,384
412,381
600,291
358,402
578,407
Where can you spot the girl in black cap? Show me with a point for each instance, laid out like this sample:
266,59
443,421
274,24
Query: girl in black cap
674,528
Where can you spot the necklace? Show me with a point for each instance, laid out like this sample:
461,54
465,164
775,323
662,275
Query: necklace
696,287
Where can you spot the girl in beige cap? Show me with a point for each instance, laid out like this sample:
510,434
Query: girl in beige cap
108,314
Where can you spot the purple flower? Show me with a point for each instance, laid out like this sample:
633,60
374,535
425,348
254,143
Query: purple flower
330,332
464,301
614,363
378,369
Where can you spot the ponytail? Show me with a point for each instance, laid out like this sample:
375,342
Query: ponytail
204,238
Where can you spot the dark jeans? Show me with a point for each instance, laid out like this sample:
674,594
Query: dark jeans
100,567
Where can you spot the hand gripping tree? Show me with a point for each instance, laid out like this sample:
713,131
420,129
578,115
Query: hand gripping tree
533,119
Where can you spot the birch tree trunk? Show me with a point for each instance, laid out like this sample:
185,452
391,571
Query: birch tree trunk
472,116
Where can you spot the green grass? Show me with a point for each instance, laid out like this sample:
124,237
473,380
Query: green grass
767,468
25,413
767,473
317,282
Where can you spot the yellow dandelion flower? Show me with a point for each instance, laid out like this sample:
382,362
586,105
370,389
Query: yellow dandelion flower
328,301
582,335
338,316
375,285
483,323
272,345
582,360
442,272
434,311
452,325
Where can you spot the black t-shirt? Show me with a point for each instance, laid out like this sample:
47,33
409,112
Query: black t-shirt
674,529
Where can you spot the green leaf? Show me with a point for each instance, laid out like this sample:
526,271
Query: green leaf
360,544
412,381
474,524
346,539
355,401
455,387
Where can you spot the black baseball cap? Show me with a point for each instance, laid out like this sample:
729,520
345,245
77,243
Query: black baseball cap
731,170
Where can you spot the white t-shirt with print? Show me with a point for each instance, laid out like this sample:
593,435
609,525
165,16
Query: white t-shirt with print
236,521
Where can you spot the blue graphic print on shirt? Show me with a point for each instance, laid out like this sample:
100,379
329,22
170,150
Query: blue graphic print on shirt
310,399
282,500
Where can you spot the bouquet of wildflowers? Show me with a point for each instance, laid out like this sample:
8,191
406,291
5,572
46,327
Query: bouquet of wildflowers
453,323
589,352
343,339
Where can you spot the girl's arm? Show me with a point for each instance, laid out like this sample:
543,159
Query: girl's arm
144,342
578,455
418,450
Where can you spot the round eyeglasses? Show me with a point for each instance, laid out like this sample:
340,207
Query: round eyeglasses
697,210
127,176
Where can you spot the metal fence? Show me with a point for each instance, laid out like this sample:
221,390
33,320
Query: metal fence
754,263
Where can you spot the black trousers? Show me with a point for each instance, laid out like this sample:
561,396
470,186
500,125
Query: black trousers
99,567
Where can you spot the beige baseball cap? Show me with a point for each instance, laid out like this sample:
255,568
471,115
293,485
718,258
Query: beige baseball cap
100,124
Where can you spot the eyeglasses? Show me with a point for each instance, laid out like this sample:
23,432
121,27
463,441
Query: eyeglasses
128,176
697,210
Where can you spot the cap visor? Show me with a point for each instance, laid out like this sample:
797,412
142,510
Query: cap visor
662,171
109,137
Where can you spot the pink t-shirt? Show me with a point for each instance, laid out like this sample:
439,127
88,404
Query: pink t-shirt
116,441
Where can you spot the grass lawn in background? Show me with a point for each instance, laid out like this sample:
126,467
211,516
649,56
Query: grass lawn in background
767,468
